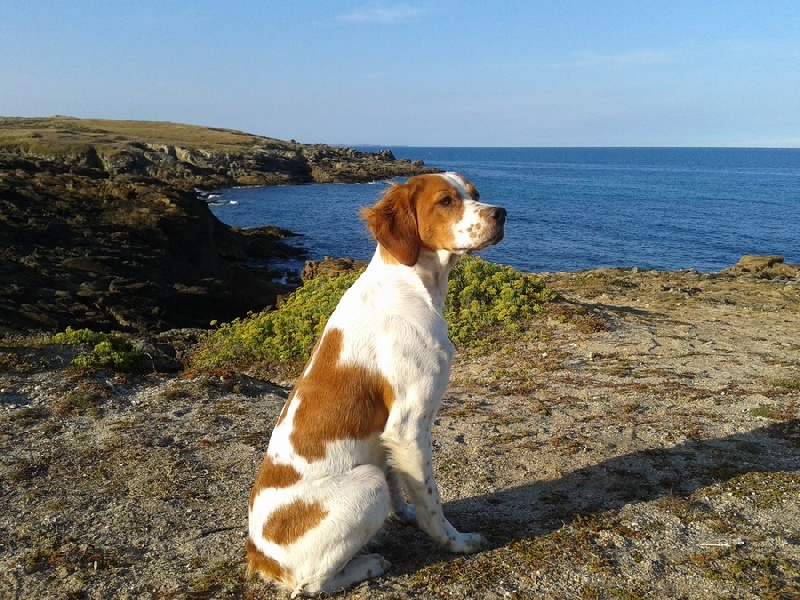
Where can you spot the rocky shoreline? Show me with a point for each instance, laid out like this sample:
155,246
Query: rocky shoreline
102,226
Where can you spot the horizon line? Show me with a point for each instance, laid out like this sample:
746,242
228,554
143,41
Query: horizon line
795,145
575,147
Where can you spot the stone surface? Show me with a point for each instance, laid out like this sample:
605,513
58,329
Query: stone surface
767,266
102,254
330,266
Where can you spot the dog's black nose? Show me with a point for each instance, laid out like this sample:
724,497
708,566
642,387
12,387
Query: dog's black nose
499,214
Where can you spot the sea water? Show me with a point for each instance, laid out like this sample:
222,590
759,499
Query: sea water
575,208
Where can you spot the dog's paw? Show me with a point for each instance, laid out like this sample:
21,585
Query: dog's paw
377,565
407,515
360,568
467,543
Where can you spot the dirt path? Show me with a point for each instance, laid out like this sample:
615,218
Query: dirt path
646,447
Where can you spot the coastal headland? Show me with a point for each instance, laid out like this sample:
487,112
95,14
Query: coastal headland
102,226
640,440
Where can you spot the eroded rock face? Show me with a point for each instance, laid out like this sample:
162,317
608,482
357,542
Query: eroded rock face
127,255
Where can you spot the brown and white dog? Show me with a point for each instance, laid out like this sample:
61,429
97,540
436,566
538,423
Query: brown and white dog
355,433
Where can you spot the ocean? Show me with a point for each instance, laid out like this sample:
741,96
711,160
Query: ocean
574,208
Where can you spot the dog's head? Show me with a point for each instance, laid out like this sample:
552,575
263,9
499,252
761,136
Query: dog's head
433,212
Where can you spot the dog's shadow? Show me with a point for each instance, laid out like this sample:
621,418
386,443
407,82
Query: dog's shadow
543,506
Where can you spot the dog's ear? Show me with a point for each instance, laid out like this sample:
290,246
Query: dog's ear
393,222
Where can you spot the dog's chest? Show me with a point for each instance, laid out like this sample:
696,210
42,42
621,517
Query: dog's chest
385,306
383,344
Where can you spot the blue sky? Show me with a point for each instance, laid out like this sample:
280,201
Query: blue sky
447,73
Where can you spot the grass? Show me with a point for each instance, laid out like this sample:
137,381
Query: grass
79,402
788,383
600,281
600,549
786,411
109,351
581,543
762,573
577,315
223,579
67,135
767,490
26,416
71,556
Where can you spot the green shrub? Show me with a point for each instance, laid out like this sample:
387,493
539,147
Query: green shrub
109,351
485,301
77,337
285,334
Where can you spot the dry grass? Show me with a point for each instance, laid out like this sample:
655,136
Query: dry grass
63,135
70,137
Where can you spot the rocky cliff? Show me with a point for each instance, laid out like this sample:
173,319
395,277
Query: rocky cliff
101,227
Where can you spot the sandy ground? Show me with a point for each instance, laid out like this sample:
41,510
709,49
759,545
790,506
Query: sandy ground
644,443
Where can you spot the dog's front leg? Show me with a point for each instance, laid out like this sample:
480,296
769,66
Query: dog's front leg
413,460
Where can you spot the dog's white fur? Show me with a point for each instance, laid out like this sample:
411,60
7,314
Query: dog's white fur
356,432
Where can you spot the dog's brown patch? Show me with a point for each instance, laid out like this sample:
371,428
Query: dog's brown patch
336,401
292,521
419,213
393,222
273,475
387,256
439,207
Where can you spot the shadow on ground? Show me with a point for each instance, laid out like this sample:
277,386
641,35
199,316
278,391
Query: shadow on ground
541,507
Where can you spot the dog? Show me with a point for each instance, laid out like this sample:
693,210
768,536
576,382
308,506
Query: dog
354,437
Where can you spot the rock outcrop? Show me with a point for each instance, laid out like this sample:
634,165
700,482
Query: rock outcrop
101,226
330,266
763,266
189,157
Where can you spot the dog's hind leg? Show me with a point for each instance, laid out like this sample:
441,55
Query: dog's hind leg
358,503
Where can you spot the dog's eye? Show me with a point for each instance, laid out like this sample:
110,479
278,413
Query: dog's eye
446,201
